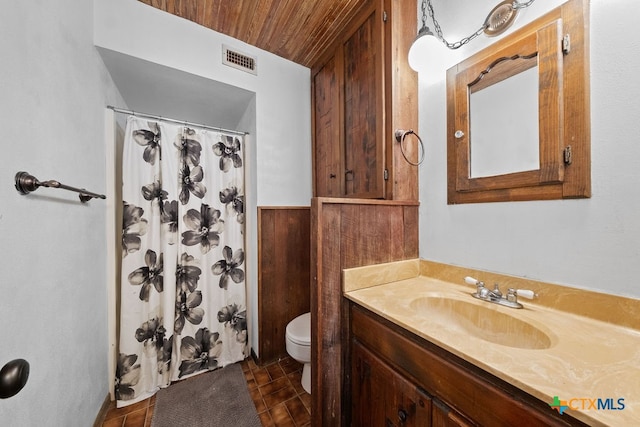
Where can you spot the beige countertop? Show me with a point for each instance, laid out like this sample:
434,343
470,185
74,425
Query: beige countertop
581,359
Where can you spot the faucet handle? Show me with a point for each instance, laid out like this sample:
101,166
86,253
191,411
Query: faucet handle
526,293
480,289
471,281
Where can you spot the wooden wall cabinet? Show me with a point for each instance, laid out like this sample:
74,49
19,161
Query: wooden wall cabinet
362,89
421,384
555,47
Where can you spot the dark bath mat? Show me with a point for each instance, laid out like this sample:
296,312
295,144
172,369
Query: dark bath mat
217,398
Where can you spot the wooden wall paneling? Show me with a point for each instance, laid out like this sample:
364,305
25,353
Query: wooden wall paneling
411,245
325,322
284,275
266,271
347,233
401,99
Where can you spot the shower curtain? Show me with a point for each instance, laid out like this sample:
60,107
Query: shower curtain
182,296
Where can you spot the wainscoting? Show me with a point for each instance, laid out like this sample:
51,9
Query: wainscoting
284,248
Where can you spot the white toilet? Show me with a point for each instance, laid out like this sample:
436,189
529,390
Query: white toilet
298,339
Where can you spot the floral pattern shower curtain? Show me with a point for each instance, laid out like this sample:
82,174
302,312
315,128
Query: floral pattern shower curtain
183,299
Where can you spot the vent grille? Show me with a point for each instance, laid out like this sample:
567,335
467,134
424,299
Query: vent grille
238,60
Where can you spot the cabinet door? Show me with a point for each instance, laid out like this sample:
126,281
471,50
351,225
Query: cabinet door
368,400
328,159
364,109
382,397
407,405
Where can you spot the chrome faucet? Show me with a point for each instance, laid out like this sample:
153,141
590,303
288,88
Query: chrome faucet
495,296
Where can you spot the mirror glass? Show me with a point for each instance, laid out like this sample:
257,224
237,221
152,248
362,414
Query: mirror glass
503,117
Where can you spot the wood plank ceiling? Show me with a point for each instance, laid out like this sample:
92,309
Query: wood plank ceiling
298,30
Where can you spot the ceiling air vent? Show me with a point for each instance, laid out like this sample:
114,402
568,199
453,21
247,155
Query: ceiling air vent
238,60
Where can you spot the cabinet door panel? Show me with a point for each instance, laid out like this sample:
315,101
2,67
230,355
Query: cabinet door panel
363,110
408,407
329,173
382,397
369,389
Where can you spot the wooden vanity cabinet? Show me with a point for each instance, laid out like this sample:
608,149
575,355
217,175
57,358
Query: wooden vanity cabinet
362,88
395,371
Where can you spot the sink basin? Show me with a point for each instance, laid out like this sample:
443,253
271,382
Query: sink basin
482,321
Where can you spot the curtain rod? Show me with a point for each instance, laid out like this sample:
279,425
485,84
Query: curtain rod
154,117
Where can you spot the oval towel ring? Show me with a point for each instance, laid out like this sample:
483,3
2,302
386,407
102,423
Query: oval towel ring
400,135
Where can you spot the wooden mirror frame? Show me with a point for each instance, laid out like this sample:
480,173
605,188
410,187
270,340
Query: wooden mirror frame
558,44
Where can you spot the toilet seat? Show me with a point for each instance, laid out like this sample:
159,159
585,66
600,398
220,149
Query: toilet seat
299,330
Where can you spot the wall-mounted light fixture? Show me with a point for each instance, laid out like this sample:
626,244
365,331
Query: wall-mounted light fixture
498,21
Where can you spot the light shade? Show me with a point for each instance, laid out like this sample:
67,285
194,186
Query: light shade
422,46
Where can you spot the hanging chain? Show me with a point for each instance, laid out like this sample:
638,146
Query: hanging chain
424,13
427,4
439,34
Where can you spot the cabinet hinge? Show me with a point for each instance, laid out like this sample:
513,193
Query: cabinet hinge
386,174
566,44
384,16
567,155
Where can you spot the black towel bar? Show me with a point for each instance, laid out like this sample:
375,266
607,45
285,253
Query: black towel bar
26,183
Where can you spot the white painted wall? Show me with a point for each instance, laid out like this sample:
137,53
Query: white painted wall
591,243
279,147
53,89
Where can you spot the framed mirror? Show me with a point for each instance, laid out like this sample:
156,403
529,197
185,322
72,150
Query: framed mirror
518,114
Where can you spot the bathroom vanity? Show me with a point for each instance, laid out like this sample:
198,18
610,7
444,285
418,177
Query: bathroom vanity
400,379
424,352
